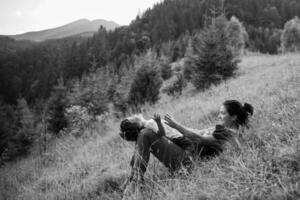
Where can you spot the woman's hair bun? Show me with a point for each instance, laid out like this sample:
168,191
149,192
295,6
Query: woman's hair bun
248,108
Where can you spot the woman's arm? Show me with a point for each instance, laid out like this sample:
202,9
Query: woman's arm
193,134
182,129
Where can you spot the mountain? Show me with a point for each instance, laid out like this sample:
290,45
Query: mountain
82,27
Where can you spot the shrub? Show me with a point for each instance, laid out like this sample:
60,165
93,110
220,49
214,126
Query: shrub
165,68
290,38
78,118
176,86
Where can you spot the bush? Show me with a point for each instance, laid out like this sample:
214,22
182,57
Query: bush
120,104
165,68
78,119
290,38
176,86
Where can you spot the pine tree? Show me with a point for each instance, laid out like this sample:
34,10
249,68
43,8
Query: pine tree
146,83
91,92
215,60
165,68
56,108
8,129
290,38
237,36
272,43
189,60
122,89
26,134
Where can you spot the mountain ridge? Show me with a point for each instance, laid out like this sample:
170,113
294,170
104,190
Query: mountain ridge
78,27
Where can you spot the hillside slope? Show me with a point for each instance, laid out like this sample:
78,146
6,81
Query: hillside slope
82,26
267,167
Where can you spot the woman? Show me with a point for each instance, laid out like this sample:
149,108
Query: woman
194,143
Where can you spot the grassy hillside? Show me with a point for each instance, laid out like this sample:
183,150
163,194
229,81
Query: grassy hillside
268,166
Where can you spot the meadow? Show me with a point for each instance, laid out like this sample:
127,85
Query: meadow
267,167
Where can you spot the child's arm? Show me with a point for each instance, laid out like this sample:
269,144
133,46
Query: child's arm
161,130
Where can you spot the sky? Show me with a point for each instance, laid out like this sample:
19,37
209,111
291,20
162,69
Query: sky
20,16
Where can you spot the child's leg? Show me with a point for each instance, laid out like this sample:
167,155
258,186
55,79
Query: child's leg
162,148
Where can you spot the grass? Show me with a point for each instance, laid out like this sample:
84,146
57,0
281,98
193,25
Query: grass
268,166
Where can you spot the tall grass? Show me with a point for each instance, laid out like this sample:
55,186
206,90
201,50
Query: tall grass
268,166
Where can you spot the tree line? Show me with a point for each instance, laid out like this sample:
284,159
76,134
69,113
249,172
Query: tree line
31,73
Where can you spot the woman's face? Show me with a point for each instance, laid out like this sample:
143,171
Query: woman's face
225,118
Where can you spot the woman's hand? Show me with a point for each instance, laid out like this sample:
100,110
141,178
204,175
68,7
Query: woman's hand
170,121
